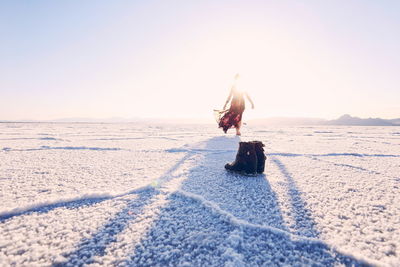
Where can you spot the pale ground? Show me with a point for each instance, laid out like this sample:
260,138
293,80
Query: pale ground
140,195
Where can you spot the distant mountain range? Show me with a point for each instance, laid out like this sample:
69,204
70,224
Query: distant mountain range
343,120
349,120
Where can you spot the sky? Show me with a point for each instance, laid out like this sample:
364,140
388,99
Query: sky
177,59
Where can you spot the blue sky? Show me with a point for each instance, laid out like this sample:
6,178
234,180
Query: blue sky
178,58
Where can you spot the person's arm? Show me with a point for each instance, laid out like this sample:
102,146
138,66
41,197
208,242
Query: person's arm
228,99
251,101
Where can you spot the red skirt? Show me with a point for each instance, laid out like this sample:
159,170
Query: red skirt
231,117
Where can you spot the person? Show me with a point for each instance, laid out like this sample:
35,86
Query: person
232,117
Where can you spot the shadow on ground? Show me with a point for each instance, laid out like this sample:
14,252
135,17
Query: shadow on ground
230,220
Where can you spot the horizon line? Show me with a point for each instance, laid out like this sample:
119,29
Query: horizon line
143,119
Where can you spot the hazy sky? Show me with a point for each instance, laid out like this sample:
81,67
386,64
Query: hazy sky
178,58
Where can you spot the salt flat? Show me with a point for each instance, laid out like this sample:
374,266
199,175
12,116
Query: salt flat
158,195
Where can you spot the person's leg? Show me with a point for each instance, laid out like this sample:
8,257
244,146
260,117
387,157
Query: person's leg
238,128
